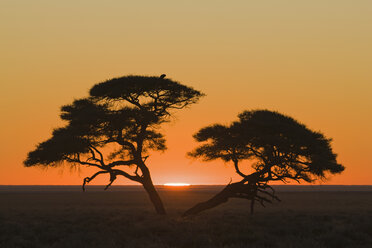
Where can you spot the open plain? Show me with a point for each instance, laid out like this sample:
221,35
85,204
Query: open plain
64,216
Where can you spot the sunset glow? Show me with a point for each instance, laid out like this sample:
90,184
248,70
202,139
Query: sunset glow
306,59
175,123
177,184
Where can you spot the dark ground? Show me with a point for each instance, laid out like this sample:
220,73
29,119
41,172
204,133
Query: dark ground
64,216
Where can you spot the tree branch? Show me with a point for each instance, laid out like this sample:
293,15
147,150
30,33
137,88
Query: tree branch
125,174
88,179
112,179
77,160
121,162
237,168
100,155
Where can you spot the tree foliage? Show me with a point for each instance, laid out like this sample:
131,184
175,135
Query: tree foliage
277,148
116,128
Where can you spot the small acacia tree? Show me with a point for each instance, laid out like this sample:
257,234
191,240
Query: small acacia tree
115,129
274,146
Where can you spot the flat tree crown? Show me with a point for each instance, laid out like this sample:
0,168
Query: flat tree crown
158,95
279,147
125,112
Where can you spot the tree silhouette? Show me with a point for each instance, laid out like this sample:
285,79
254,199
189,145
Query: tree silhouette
115,129
276,147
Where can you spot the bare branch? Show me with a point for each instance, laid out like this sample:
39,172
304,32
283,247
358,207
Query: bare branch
136,171
88,179
127,175
237,168
269,194
112,179
122,162
100,155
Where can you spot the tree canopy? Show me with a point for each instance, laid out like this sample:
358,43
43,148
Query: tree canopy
115,128
276,147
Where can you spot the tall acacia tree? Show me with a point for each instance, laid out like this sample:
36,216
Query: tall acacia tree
273,146
115,128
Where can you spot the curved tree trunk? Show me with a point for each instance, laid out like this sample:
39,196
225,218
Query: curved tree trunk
153,195
231,190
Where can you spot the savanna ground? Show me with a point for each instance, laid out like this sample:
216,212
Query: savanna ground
123,217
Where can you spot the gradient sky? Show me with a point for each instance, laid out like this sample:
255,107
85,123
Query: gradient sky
308,59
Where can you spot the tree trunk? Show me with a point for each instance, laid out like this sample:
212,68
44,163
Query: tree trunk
252,206
211,203
229,191
154,196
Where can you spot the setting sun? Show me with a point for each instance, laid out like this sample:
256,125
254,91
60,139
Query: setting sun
177,184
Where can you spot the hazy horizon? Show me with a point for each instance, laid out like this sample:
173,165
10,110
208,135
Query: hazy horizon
288,184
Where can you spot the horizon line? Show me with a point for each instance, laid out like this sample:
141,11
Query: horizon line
104,185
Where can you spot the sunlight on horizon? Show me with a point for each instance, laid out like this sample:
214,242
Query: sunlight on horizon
176,184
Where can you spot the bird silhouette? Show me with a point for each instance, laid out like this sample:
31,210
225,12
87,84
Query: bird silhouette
162,76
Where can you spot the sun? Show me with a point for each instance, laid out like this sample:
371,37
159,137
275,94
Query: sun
177,184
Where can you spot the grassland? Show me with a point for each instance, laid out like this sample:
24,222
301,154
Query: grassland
122,217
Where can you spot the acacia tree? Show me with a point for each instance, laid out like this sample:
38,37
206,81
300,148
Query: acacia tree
115,128
273,146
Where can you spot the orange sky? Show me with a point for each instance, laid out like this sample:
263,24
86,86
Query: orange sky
308,59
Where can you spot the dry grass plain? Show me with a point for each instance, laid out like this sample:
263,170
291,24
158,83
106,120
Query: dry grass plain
65,216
